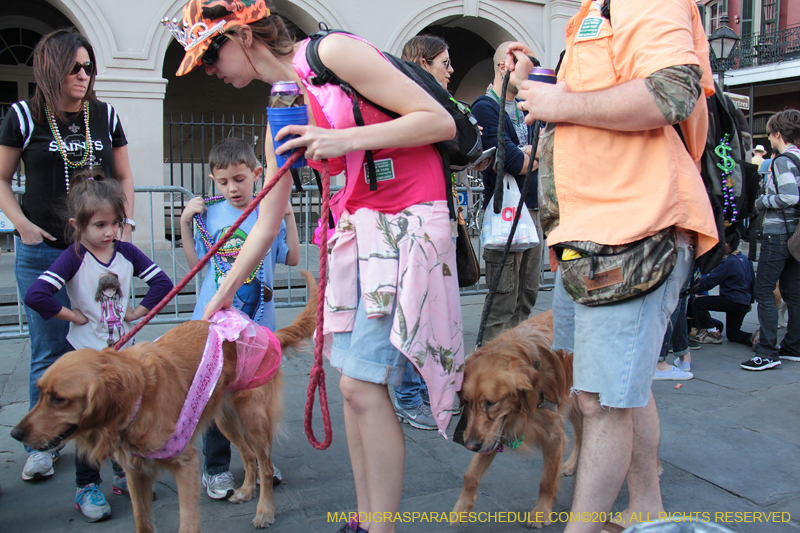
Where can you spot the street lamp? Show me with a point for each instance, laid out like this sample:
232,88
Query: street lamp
722,42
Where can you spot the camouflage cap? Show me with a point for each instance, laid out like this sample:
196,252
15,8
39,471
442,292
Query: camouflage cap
202,20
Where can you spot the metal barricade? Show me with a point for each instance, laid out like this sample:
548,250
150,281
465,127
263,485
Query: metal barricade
168,201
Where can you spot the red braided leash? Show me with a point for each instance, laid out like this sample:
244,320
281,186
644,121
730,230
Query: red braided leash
317,377
206,258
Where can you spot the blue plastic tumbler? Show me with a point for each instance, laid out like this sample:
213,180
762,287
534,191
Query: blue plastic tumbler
278,117
544,75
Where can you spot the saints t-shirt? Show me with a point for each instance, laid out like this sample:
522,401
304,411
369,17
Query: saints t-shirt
218,217
101,291
45,189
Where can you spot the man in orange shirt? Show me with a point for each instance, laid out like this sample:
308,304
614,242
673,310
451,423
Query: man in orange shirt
621,173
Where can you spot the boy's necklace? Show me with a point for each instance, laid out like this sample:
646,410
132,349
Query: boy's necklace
221,266
227,250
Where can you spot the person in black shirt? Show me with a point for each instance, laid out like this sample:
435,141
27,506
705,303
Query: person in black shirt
519,284
61,130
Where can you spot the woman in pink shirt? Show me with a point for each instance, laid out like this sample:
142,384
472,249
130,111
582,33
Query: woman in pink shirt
392,295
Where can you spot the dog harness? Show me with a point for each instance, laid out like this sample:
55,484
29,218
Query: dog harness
258,357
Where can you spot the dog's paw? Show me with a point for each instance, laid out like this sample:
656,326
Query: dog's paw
539,517
263,520
241,496
568,468
462,507
538,525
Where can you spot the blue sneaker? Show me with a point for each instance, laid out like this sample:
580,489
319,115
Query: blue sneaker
92,504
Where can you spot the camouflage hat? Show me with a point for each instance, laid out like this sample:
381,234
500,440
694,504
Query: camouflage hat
204,19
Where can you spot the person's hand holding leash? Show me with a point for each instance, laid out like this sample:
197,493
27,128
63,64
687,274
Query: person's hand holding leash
541,101
320,143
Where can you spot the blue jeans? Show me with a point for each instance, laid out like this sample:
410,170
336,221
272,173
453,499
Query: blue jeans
48,337
217,450
775,264
413,391
677,336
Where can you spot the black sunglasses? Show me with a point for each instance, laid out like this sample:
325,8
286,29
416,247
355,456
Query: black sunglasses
212,53
87,67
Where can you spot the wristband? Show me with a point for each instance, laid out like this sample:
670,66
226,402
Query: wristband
130,222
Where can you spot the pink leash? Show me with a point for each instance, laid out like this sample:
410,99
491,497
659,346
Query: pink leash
317,377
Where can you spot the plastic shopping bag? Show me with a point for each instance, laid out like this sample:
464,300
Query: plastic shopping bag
497,226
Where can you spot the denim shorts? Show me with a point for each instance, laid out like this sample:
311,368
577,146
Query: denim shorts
616,346
366,353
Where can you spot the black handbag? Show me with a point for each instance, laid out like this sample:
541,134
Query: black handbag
467,266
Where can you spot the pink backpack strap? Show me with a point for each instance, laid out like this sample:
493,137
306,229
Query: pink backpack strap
337,107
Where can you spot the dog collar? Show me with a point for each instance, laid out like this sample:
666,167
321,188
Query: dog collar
513,444
544,403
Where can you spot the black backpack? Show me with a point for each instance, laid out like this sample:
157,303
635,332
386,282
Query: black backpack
723,118
723,123
460,151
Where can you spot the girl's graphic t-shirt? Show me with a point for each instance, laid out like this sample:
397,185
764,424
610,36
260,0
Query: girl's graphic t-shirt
100,291
218,217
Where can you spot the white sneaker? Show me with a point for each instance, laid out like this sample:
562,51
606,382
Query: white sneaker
220,486
277,477
673,374
686,366
39,466
92,504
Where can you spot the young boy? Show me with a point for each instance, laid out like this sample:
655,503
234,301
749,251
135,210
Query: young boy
234,170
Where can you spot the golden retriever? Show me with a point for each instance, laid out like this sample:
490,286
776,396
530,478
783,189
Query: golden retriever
90,396
507,387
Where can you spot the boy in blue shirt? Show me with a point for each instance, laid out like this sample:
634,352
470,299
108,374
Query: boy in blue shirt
234,170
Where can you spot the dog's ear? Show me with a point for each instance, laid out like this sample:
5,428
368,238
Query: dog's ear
107,397
523,375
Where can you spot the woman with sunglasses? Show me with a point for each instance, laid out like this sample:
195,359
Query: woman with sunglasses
61,130
401,304
432,54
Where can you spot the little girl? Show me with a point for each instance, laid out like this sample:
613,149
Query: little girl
98,272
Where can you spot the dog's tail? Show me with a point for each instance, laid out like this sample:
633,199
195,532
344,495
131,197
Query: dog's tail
305,323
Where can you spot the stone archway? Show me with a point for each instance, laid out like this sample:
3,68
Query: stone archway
21,27
491,21
473,30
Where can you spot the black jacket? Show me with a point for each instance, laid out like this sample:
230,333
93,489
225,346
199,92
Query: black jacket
486,112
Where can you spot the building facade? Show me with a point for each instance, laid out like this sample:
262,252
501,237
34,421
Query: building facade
137,56
765,64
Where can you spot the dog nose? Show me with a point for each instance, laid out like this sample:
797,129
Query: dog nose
17,433
472,444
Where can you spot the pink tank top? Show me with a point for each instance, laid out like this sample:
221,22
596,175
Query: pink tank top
406,176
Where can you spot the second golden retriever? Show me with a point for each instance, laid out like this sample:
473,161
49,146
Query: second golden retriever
126,404
515,394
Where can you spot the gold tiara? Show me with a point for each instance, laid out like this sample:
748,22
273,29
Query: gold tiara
191,37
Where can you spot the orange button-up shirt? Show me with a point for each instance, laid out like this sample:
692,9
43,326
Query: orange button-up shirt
616,187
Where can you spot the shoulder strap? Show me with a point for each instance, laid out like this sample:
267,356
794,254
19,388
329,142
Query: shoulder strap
793,157
606,10
323,75
796,161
